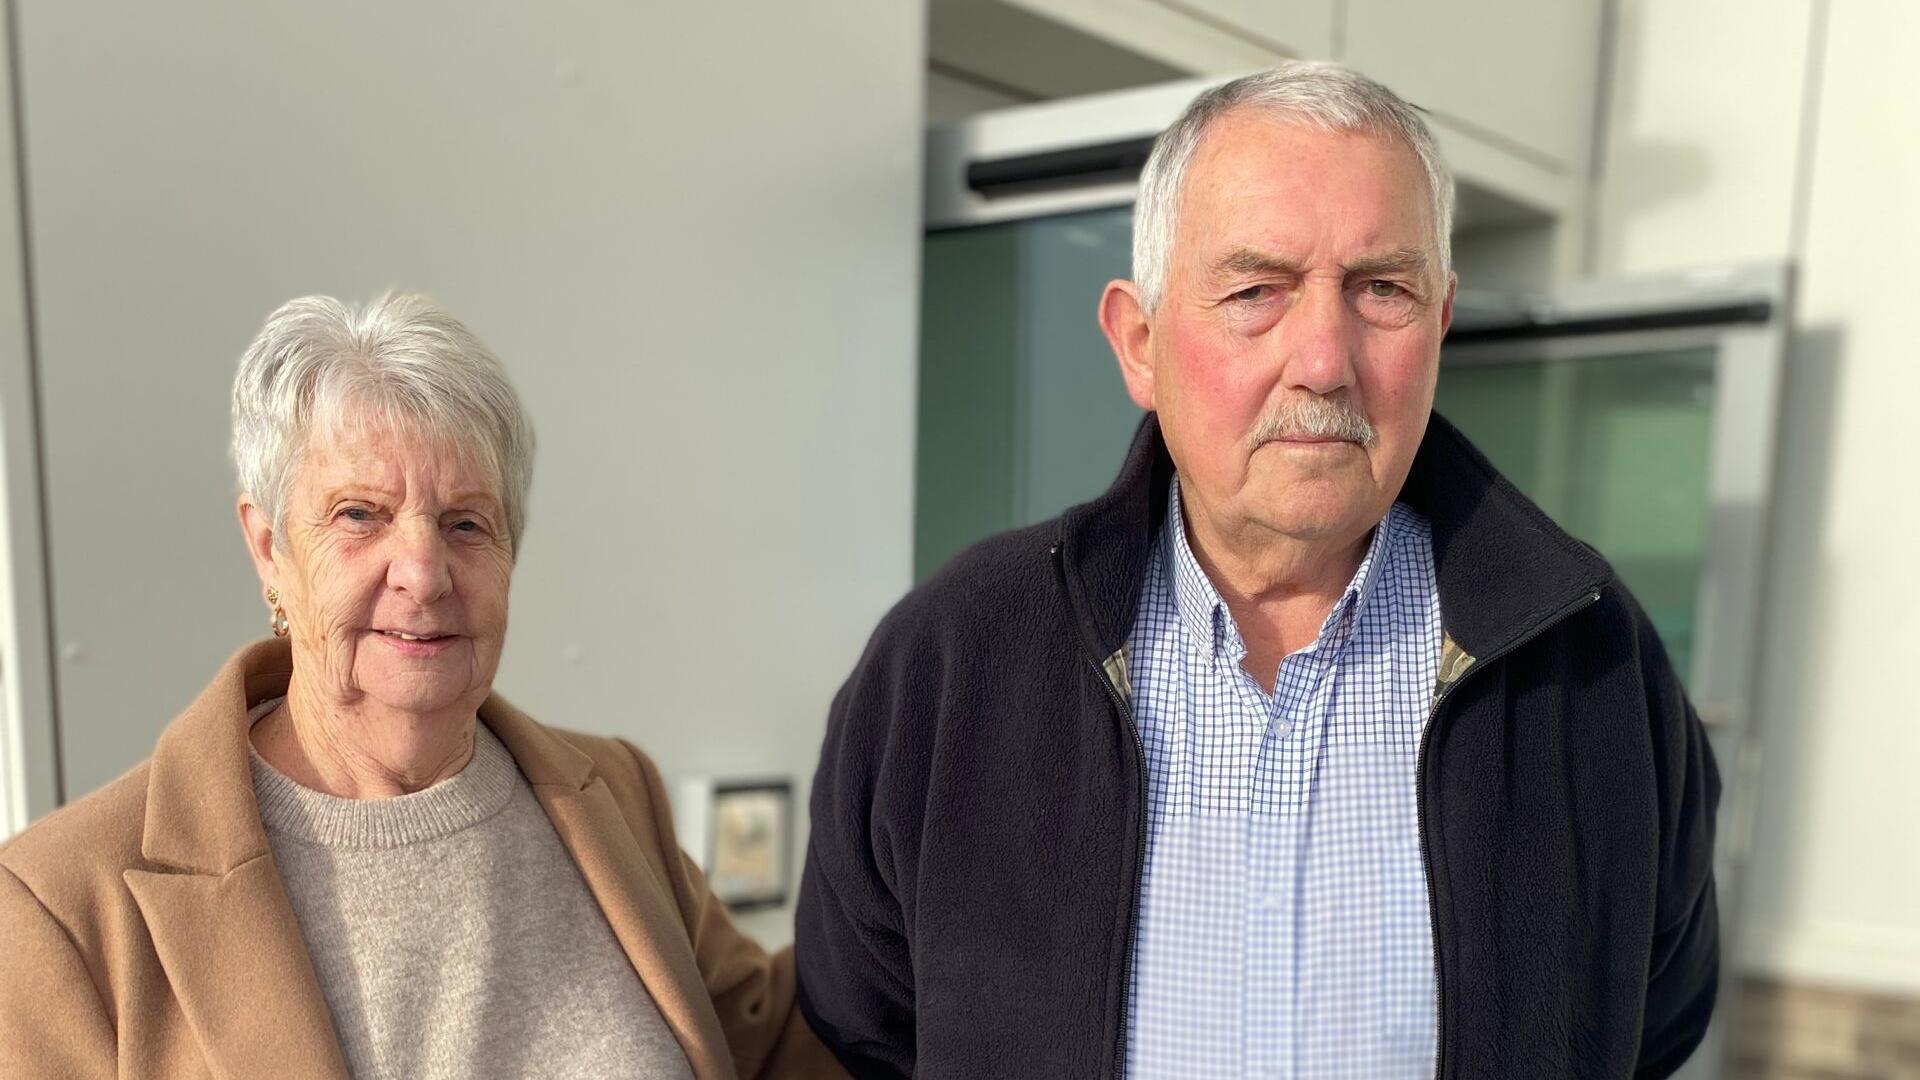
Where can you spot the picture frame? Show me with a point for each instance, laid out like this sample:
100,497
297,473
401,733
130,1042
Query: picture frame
750,843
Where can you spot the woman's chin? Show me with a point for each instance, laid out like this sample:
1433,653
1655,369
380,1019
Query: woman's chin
421,687
422,700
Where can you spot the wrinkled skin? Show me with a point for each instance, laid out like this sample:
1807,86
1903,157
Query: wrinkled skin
1304,266
383,532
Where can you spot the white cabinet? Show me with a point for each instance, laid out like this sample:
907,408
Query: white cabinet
1519,74
1300,28
1167,31
1509,86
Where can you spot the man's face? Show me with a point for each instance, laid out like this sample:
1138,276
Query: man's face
1293,354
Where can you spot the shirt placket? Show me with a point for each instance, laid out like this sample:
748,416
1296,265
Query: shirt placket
1279,782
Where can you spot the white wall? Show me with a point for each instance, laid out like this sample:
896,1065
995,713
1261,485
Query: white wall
691,231
1712,157
1702,134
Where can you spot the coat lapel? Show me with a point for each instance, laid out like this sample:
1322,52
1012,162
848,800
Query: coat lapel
214,905
637,903
233,954
643,918
225,932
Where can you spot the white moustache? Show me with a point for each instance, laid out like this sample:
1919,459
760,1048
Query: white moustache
1314,417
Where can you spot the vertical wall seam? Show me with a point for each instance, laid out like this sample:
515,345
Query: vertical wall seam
1603,84
36,403
1803,170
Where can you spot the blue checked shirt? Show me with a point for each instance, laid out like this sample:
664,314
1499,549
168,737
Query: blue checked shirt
1283,927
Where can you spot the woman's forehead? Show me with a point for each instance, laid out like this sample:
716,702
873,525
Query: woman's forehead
394,459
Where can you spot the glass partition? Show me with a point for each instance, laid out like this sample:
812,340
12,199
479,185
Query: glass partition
1022,413
1615,448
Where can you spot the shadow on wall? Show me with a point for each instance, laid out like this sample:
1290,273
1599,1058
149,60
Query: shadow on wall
1795,605
1640,173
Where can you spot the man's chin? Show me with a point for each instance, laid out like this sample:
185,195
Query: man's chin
1315,507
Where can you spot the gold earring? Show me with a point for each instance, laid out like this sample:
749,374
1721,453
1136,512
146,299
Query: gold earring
279,623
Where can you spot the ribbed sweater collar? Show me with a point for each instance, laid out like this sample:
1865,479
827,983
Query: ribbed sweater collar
469,797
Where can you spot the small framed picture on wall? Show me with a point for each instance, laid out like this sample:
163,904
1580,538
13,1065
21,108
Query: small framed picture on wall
751,843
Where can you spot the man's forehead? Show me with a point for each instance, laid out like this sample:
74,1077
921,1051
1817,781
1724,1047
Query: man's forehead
1248,156
1268,188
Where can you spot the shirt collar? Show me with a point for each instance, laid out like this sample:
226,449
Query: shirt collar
1206,616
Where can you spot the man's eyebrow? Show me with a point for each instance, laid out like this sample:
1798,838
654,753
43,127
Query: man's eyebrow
1251,262
1245,261
1402,261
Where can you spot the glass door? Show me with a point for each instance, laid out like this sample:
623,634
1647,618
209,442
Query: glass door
1022,412
1615,447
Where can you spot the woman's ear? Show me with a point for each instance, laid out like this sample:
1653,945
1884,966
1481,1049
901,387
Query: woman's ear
257,529
1124,320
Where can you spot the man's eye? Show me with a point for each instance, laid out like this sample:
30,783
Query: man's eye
1385,290
1253,292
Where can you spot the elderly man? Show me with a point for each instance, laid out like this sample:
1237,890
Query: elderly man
1310,749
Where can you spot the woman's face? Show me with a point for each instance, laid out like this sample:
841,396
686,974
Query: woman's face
393,568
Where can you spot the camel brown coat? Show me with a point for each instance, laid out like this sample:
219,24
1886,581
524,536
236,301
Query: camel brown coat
145,933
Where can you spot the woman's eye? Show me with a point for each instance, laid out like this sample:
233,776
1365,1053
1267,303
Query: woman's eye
1252,293
357,513
1385,290
467,526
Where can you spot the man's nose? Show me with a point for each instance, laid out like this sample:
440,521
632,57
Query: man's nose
1317,340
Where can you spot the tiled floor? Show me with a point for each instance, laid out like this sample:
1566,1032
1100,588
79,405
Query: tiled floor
1793,1032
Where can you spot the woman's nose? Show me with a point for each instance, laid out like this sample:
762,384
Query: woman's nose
418,563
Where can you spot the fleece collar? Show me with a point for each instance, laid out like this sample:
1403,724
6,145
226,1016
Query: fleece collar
1503,567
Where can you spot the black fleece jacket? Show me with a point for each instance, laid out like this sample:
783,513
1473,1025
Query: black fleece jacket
968,903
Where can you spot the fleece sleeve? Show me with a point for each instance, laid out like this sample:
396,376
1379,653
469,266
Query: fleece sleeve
855,964
1683,969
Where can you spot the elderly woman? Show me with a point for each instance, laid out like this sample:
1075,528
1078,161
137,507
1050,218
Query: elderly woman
349,857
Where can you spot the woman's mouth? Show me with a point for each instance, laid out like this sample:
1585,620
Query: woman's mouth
407,643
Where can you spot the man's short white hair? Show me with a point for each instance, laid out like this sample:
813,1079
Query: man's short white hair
1320,95
398,364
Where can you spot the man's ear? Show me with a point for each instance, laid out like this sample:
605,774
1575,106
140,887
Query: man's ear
1124,320
1446,308
257,529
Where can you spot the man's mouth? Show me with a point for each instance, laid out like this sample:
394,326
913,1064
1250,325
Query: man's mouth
1312,440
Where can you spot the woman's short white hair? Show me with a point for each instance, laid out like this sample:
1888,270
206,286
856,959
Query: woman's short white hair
1321,95
399,364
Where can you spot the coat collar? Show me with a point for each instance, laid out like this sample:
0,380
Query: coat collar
215,908
224,929
1503,567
